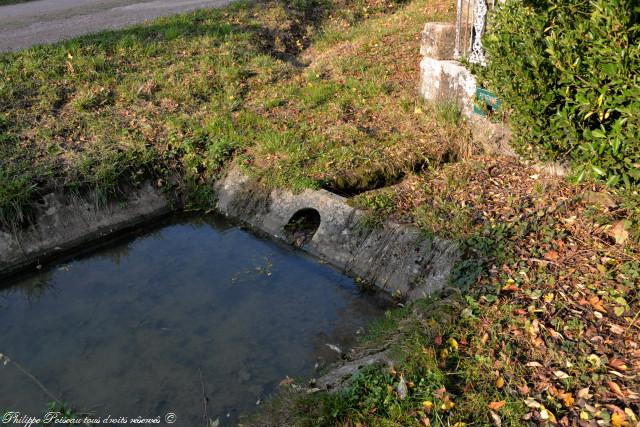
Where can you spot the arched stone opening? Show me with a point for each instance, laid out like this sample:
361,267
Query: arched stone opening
302,226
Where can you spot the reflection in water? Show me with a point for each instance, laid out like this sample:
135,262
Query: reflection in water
127,331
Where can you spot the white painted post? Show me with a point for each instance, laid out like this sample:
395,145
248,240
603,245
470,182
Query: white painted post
456,52
479,23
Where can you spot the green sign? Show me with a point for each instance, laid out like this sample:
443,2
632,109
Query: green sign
485,102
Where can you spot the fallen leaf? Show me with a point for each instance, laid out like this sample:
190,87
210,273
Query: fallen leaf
618,364
509,287
534,328
531,403
633,396
619,420
538,342
583,393
630,415
425,422
561,375
286,382
447,404
596,303
496,405
500,382
568,400
547,415
615,388
551,256
496,419
618,231
616,329
534,365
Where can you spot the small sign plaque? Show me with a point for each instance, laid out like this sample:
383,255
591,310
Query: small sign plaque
485,102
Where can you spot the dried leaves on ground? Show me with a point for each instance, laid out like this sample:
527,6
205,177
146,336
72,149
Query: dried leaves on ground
551,316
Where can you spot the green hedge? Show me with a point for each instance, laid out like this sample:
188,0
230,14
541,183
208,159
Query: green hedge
569,72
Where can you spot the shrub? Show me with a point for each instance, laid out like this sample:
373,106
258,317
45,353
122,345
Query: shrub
569,70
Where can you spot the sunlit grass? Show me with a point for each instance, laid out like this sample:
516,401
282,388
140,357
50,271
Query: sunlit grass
266,83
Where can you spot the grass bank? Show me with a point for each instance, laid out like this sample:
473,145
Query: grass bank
302,93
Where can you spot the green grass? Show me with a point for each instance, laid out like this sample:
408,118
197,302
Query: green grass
379,205
295,92
104,110
423,338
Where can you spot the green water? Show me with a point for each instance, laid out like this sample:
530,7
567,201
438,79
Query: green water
138,328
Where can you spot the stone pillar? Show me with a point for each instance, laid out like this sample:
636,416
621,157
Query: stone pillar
442,78
438,40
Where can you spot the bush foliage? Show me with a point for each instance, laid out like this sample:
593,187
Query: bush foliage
569,70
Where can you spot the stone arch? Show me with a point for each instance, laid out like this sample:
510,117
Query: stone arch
302,226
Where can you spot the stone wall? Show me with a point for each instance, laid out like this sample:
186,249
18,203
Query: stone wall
396,258
64,223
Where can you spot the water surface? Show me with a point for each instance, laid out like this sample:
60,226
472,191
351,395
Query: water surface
131,330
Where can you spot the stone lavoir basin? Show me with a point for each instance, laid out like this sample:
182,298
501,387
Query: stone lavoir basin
139,328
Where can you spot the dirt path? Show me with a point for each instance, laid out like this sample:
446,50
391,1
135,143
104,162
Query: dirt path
46,21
